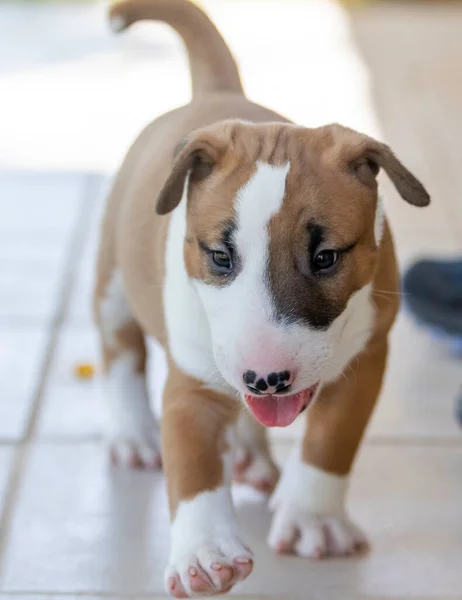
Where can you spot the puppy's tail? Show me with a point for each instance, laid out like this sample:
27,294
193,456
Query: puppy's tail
211,64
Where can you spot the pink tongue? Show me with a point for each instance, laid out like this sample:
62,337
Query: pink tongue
277,411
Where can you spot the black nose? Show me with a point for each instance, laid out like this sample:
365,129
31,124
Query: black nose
273,383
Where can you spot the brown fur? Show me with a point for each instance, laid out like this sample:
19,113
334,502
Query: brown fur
326,164
194,425
336,423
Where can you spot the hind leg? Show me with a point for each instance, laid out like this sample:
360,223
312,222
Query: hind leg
130,428
253,462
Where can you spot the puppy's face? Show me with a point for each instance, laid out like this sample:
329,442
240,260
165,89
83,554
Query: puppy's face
282,236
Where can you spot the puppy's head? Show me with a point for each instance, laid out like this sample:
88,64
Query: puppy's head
282,233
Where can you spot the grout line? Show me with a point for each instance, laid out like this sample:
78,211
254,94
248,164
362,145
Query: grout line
74,250
396,440
255,596
450,441
24,322
11,442
417,441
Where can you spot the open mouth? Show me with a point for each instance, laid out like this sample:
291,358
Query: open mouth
279,411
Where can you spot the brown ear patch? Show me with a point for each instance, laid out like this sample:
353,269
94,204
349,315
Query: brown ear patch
197,157
366,170
376,155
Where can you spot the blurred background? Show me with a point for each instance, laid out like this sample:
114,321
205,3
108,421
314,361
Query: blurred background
73,96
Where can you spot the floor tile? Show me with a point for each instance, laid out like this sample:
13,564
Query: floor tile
39,212
80,306
30,246
421,385
21,360
40,202
88,530
29,291
74,408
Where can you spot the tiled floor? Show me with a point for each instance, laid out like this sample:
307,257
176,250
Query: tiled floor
69,525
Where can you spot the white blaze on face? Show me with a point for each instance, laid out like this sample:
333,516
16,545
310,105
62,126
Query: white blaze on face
240,313
259,200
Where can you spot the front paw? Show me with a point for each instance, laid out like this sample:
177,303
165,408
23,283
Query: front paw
255,468
309,515
210,567
314,536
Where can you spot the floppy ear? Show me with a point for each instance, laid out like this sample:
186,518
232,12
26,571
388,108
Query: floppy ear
375,156
196,158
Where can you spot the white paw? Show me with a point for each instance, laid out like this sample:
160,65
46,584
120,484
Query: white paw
206,556
127,452
212,567
132,433
135,442
309,515
314,536
255,468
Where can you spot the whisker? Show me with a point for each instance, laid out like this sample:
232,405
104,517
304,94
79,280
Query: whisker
382,297
351,370
390,292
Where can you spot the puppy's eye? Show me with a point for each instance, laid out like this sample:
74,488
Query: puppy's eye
325,259
222,260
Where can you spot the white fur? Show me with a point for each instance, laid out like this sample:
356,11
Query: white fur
319,492
188,330
114,309
131,430
349,334
247,299
256,202
309,513
204,532
379,223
